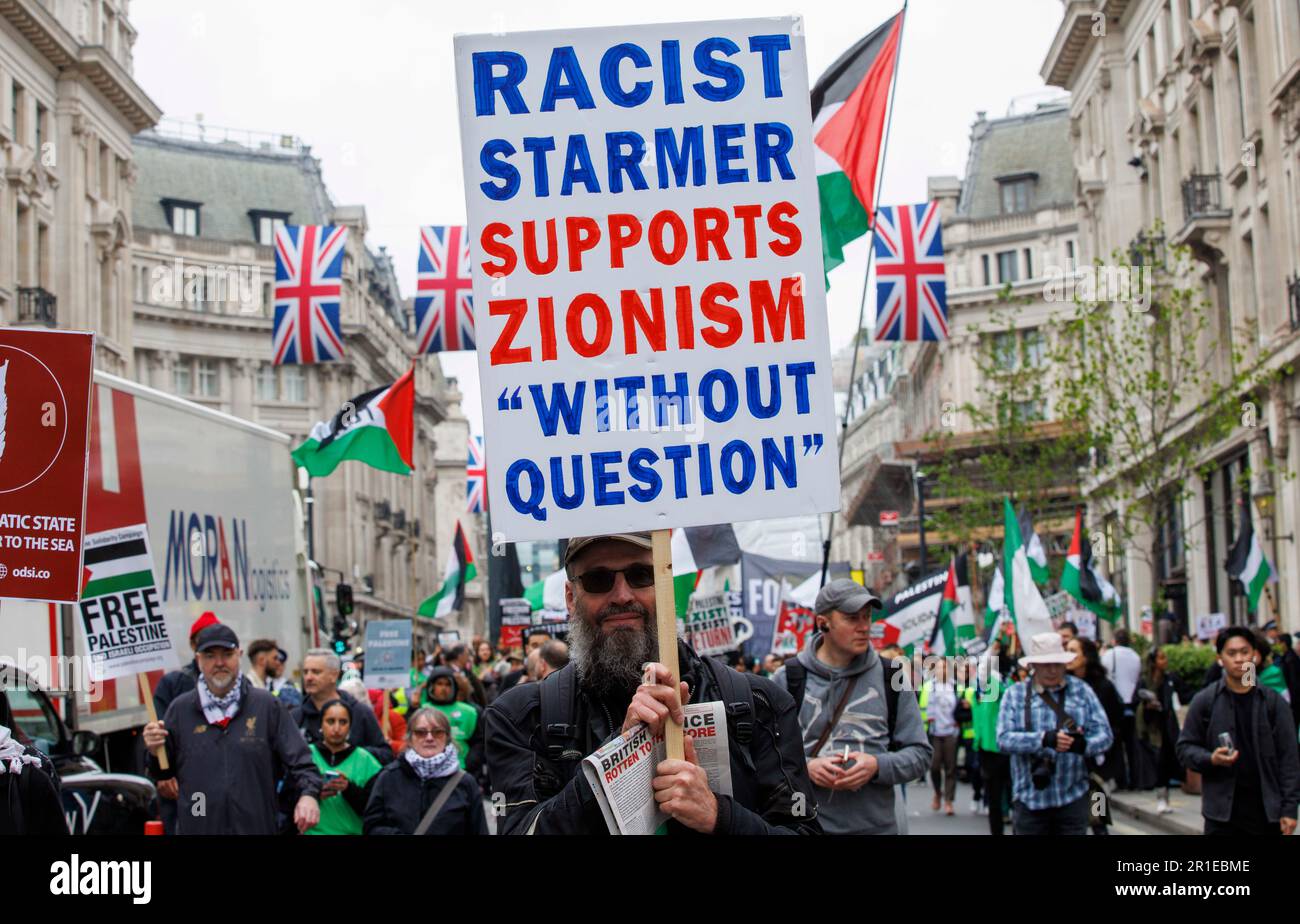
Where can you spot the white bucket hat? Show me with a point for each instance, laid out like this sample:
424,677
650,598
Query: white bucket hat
1047,648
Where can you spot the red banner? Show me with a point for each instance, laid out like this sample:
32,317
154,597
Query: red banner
45,388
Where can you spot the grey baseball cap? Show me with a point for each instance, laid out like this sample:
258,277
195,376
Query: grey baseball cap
578,543
846,596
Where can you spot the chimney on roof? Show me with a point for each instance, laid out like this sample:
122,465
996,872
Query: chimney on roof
945,190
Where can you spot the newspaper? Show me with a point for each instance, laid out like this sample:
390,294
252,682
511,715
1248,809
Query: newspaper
620,772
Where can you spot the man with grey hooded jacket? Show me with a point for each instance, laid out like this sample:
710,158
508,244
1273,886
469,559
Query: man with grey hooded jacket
854,760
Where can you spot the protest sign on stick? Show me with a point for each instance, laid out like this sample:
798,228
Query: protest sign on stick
645,245
666,624
146,697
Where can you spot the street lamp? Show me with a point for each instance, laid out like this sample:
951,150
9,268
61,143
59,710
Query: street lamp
920,514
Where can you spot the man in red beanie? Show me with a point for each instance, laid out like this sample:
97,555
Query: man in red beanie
173,684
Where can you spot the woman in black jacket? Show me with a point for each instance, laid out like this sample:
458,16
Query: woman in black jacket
1088,668
407,788
1158,723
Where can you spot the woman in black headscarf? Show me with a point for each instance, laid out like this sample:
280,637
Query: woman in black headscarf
29,788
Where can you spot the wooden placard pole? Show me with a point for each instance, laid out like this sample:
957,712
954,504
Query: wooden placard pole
146,697
666,623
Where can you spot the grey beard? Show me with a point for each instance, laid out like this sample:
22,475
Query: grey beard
611,664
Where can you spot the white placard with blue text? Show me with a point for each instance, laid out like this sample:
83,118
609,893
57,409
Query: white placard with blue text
647,263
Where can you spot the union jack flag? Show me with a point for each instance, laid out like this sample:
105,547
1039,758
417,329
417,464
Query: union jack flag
308,290
911,296
444,304
476,477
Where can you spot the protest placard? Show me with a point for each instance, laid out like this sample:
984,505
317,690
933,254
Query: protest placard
516,615
707,626
645,234
121,614
1209,625
388,653
648,289
45,378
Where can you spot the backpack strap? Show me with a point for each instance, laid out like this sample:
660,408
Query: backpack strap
557,694
796,681
737,697
891,702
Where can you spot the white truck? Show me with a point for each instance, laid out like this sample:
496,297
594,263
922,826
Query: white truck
226,530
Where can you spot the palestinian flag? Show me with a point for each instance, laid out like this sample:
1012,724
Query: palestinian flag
1083,581
955,625
118,561
460,570
849,105
1247,564
694,549
995,607
1034,549
1023,601
377,428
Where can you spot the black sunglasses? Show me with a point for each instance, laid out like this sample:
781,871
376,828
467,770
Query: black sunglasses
601,580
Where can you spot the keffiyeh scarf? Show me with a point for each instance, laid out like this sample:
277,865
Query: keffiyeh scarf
13,755
428,768
220,710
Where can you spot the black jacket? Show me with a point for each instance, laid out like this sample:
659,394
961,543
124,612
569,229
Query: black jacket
1274,741
399,799
1113,706
234,770
173,684
770,777
365,733
29,800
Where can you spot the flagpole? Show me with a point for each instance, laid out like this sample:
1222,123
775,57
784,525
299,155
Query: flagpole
862,303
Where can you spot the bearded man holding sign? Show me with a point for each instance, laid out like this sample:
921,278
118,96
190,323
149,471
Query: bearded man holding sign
538,733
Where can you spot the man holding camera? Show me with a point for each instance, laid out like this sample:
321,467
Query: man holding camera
1239,736
1051,724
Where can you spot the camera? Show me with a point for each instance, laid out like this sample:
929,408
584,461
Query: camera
1041,771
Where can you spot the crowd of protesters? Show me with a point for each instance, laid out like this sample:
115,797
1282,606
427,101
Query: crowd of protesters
827,740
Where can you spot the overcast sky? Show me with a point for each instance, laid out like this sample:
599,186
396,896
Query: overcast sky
370,86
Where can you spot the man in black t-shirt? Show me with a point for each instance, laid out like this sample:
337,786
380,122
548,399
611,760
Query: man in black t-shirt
1240,737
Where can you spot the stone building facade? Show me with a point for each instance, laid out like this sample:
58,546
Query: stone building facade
1185,117
1009,227
205,211
70,108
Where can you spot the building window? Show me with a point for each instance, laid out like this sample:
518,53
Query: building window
1029,263
265,223
208,384
182,217
1034,345
984,263
182,377
266,390
295,386
1017,194
1069,256
41,114
1008,270
17,97
1004,349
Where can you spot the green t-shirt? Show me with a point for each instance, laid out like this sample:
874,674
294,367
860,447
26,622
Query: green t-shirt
336,816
